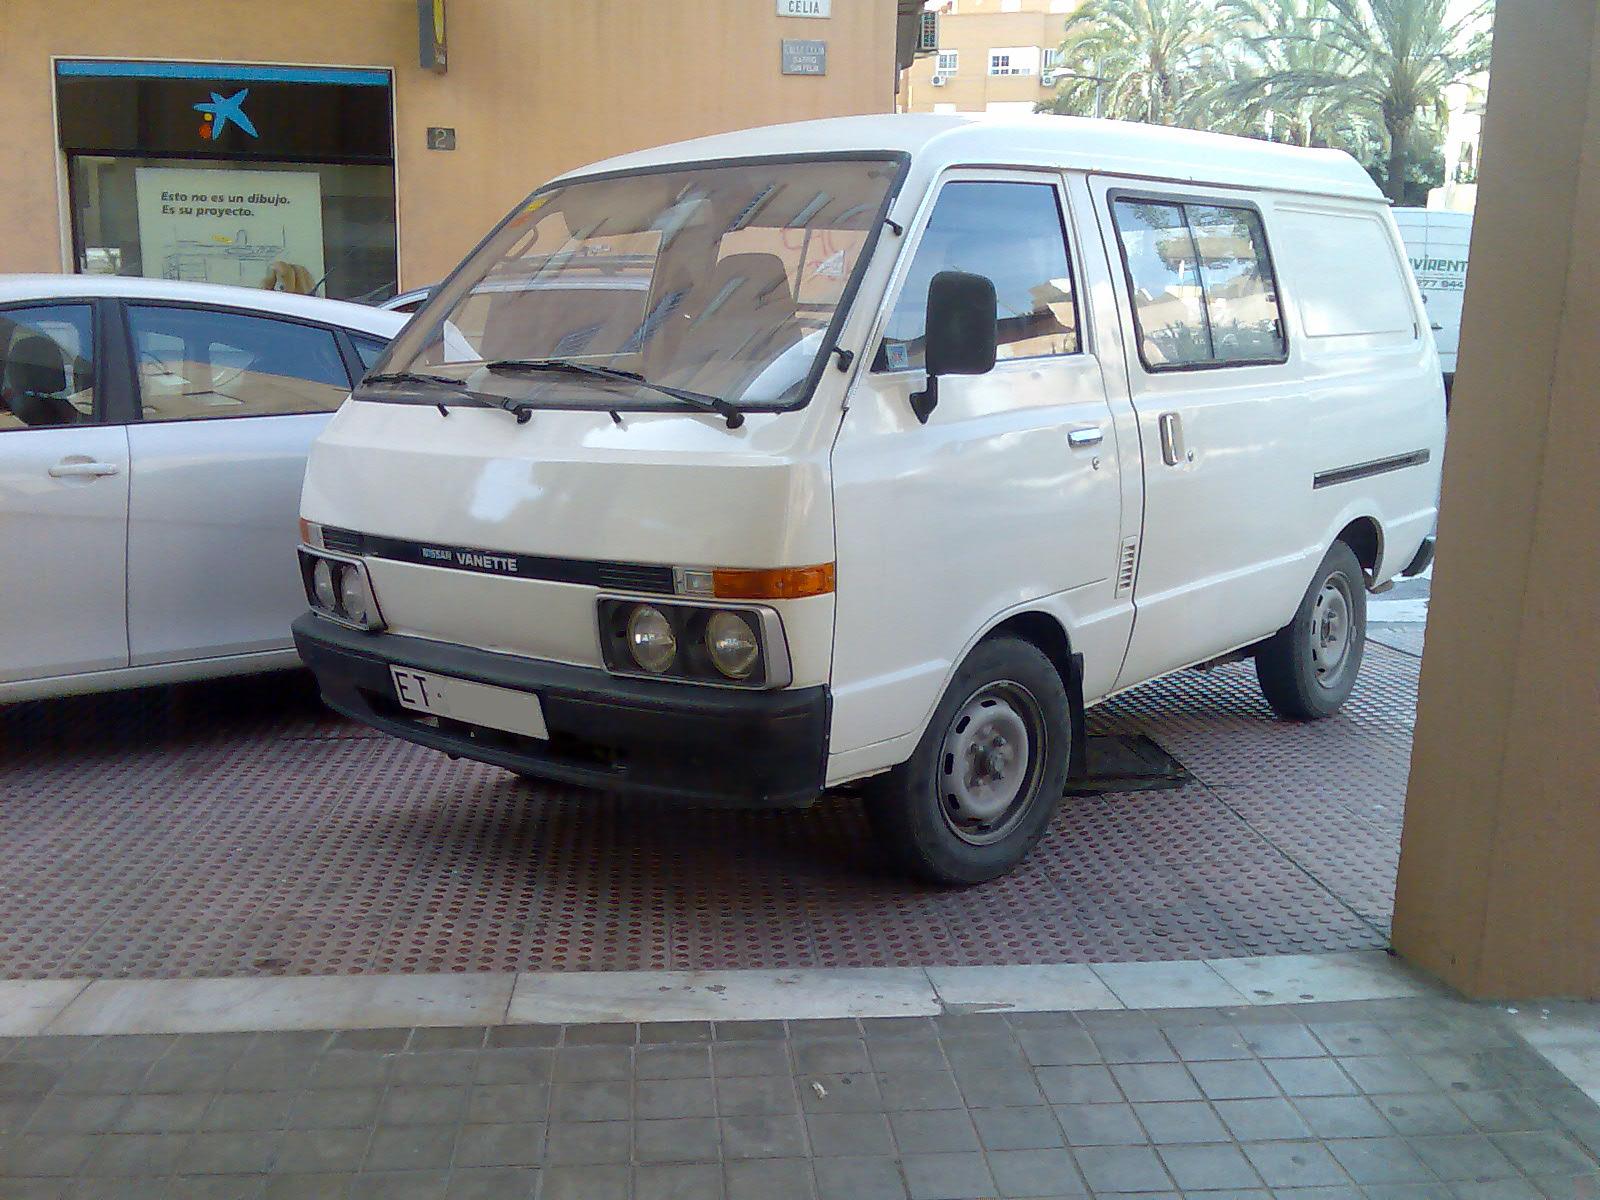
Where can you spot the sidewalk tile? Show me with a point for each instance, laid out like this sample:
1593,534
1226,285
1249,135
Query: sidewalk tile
769,1179
1208,1167
1122,1169
678,1181
934,1131
1181,1121
685,1139
1035,1173
836,1135
947,1176
1167,984
858,1179
763,1137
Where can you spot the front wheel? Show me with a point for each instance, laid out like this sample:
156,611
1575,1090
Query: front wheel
984,781
1308,667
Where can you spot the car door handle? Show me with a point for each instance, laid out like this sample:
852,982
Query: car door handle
79,470
1092,435
1171,438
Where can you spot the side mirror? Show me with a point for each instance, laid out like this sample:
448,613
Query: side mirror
961,331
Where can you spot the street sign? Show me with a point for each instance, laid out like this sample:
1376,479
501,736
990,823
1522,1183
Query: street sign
802,56
805,8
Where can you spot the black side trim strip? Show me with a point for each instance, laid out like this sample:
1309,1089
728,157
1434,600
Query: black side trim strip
627,577
1378,466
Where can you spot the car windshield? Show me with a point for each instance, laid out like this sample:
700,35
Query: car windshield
718,280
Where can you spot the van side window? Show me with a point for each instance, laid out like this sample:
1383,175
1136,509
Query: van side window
1203,289
1011,232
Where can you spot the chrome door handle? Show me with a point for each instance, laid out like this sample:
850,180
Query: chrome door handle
1093,435
78,470
1171,438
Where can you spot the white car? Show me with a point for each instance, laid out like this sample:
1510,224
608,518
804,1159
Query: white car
153,437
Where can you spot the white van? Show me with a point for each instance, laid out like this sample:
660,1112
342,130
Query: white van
1436,242
876,449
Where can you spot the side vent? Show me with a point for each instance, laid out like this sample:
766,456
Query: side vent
1127,567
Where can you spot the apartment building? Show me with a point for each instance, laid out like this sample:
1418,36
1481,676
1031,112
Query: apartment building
994,56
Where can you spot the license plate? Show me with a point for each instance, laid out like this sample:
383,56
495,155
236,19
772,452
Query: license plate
475,703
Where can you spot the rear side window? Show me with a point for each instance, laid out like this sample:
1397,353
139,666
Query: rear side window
1349,280
1010,232
368,349
1204,294
199,364
46,372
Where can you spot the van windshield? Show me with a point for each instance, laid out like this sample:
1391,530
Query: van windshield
718,280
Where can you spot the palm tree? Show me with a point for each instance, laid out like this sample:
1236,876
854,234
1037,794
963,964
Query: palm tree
1269,39
1387,62
1137,60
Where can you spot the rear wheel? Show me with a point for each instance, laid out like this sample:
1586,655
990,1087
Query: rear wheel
1308,667
985,779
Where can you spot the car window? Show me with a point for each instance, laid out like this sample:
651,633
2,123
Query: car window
368,349
1203,290
198,363
46,366
1013,234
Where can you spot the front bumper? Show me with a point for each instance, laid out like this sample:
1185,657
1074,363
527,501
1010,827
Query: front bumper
646,737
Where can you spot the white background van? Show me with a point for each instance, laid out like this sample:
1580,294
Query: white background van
1436,242
877,449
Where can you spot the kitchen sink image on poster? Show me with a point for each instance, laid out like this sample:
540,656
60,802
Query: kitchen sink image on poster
247,228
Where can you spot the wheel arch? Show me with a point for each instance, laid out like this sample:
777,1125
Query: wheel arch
1049,636
1364,536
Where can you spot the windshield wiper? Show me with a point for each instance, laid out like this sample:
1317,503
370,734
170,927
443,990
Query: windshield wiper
700,400
455,385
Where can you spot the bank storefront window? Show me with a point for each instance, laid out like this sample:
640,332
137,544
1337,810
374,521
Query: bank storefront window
270,177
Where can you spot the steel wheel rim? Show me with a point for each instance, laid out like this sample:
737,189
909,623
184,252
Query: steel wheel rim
1333,634
990,762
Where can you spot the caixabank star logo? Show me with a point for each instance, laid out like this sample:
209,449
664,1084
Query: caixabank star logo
220,112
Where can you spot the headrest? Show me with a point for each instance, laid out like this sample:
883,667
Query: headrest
36,365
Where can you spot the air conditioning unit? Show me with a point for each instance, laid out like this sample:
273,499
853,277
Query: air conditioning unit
928,33
940,80
1048,78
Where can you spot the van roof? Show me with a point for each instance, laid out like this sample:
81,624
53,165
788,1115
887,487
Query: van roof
939,140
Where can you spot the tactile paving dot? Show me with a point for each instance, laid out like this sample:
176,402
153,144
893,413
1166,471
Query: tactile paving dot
238,828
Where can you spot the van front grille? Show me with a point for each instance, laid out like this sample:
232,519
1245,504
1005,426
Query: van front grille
635,577
341,541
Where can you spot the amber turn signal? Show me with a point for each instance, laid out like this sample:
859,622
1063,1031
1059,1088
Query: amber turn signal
778,583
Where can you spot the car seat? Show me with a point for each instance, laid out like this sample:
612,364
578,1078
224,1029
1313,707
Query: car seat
35,376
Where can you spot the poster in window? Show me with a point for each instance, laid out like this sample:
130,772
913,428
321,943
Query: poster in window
259,229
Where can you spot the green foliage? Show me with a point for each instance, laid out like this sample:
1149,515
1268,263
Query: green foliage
1366,76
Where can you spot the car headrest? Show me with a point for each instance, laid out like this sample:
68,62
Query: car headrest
758,279
36,365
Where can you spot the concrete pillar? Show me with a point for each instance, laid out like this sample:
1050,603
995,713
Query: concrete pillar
1499,889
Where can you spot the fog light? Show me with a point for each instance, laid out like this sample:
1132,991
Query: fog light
354,601
732,645
322,583
650,639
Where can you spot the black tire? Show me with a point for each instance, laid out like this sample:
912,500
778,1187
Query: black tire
1004,686
1300,676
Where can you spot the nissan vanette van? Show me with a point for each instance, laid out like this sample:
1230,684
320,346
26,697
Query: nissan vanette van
877,449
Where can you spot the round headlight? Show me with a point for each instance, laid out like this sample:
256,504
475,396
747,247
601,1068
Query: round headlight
322,584
732,645
353,598
650,639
